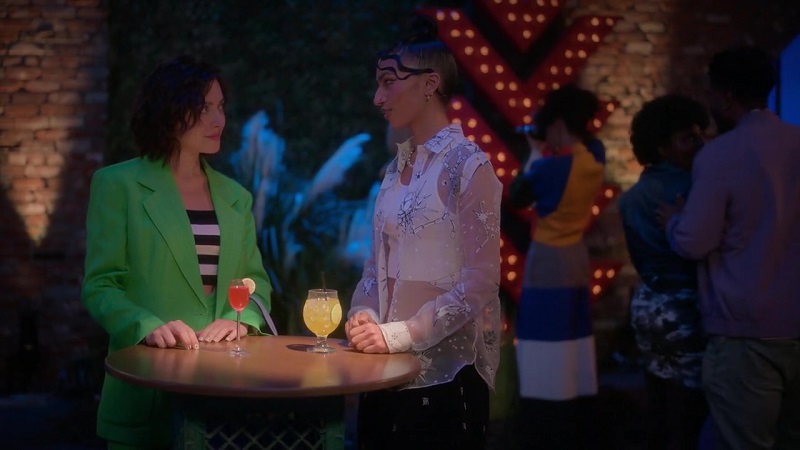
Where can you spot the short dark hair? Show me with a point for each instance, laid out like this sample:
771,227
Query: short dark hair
168,103
575,106
749,73
654,125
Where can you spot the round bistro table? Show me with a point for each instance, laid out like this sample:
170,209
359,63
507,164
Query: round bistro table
279,396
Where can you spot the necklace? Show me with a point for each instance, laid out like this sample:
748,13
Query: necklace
406,151
408,158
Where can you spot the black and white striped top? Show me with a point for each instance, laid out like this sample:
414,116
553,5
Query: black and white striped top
205,229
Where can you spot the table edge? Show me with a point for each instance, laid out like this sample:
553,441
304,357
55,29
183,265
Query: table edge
221,391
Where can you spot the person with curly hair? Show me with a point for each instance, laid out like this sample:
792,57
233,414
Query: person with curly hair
165,233
430,284
666,134
555,351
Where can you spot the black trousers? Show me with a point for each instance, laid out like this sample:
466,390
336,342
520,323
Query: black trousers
450,415
676,414
556,425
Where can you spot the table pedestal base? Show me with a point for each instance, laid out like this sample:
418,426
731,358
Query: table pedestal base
275,424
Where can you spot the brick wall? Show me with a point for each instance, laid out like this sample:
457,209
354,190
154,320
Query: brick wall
52,113
662,46
659,47
53,75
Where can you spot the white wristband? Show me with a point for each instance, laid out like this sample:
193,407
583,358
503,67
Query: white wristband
397,337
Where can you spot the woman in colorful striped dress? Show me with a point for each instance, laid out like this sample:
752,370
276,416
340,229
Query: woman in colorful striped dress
555,349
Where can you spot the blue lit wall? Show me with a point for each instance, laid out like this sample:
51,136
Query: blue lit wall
788,105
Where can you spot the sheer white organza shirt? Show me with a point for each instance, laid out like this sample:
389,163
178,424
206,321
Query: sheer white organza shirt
436,241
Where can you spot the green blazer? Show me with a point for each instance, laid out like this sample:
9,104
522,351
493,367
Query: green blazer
142,271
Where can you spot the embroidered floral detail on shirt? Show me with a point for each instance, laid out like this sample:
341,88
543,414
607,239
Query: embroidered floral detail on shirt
369,280
425,362
490,338
412,218
448,312
411,204
447,283
453,169
490,221
436,140
368,283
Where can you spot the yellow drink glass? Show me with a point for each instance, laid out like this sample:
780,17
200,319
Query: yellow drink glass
322,313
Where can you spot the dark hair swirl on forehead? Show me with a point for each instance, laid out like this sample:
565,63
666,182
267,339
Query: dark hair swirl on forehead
168,103
419,52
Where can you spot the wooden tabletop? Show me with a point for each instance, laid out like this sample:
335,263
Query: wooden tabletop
278,366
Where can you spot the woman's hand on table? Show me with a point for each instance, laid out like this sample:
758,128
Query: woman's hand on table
368,338
359,318
221,329
172,334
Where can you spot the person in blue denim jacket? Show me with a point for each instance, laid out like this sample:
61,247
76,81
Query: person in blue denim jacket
666,135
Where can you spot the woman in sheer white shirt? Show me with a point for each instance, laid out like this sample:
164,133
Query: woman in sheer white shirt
430,285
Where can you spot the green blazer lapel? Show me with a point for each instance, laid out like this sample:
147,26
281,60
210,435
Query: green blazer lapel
165,208
231,224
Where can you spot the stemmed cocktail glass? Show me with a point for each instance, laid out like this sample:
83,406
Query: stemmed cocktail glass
322,314
238,296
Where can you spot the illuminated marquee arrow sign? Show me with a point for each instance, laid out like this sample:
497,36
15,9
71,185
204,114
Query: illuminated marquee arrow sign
505,166
515,99
521,21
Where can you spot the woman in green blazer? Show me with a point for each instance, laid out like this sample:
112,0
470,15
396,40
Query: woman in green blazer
154,275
